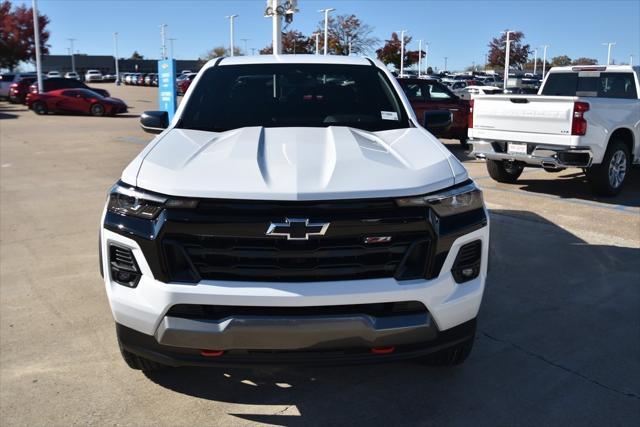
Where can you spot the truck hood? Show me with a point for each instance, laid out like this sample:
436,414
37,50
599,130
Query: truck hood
296,164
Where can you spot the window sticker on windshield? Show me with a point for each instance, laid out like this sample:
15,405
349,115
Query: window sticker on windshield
389,115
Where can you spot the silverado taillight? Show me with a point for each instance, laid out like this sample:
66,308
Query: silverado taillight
579,123
470,121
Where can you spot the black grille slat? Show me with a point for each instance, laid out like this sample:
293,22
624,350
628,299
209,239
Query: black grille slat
217,312
281,260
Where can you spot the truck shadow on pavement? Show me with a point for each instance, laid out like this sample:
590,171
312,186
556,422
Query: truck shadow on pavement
557,341
566,184
569,184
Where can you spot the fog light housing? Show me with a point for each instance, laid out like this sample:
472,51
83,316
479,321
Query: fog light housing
123,266
467,264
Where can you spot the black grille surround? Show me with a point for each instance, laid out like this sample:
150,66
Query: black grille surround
226,240
229,242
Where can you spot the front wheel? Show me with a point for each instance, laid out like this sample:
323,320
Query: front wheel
137,362
607,178
451,356
97,110
39,108
503,171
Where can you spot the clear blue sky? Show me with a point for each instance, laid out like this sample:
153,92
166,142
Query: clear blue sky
459,30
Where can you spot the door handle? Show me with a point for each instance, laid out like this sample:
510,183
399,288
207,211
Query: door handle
454,109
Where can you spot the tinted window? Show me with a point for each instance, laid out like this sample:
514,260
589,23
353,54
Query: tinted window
617,85
606,85
289,95
437,92
413,91
7,77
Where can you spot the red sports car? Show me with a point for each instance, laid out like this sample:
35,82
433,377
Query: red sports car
82,101
184,83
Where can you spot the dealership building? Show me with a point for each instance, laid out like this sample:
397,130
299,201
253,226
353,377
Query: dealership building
106,64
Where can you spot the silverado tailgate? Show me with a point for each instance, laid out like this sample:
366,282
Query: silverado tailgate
549,115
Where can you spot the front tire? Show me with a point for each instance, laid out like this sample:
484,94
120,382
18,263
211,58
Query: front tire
503,172
39,108
608,178
137,362
97,110
451,356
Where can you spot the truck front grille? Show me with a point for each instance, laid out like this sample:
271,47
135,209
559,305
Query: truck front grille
273,259
365,239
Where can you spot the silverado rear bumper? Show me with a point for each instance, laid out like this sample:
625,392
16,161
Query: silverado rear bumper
539,155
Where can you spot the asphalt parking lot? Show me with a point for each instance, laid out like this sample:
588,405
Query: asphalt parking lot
559,329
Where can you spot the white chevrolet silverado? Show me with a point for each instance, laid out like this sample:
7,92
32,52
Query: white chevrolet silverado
293,211
583,117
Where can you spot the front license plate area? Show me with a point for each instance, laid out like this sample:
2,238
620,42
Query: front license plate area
516,148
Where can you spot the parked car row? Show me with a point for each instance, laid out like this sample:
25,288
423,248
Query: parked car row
140,79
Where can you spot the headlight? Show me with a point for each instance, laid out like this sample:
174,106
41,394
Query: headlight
126,200
452,201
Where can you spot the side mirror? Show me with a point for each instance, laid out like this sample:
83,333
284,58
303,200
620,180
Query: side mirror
438,122
154,121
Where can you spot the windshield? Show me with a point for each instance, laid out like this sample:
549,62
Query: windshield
293,95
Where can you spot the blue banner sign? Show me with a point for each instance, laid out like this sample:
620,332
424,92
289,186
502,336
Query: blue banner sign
167,87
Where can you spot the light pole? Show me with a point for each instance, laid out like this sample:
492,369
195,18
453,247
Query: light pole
419,56
73,60
115,51
544,60
445,63
326,27
36,40
506,59
349,47
631,60
609,45
402,52
426,58
231,19
171,47
535,61
317,43
163,28
246,52
275,12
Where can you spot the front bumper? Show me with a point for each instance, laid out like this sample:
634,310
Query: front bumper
295,332
145,310
148,347
538,155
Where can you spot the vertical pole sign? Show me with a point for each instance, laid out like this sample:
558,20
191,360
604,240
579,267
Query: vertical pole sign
167,86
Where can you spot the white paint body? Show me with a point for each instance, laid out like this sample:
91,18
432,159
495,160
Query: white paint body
295,164
547,119
93,76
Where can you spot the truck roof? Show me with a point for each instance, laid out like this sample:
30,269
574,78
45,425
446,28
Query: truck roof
290,59
605,68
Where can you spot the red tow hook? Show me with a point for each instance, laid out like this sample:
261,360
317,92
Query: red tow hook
383,350
211,353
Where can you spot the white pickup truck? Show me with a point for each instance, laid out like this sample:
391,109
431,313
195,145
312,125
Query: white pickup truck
583,117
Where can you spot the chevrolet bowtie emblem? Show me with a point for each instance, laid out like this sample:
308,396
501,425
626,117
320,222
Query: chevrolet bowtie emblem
297,229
